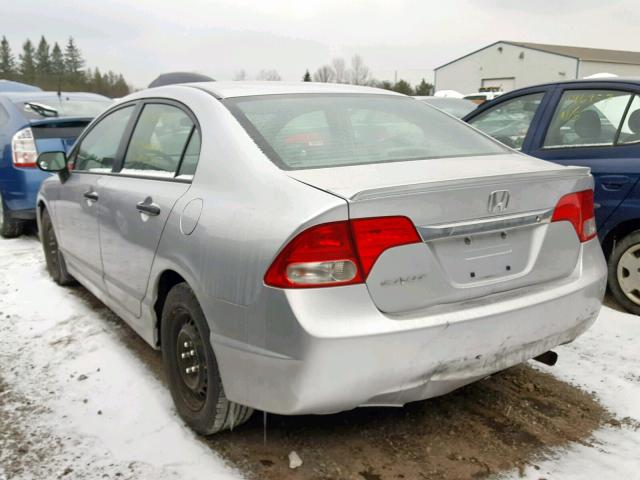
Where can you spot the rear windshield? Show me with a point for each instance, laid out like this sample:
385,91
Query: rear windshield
51,107
330,130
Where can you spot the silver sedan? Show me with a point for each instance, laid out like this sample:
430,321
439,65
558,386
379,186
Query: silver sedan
304,248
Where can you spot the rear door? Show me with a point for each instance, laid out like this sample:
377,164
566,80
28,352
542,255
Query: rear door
139,198
593,125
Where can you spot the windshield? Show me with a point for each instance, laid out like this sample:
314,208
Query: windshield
54,106
330,130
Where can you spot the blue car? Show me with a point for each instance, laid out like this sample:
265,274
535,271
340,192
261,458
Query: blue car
593,123
32,122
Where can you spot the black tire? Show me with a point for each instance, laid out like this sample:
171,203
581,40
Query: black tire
199,396
619,270
9,227
56,265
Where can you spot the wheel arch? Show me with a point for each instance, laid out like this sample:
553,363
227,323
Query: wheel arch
617,233
166,281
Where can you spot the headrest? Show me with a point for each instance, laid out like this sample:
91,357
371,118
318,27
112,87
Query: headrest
634,121
588,124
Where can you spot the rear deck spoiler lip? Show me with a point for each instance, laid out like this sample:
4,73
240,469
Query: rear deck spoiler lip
416,188
59,120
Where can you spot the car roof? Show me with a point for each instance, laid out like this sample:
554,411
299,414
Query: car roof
246,89
621,80
30,96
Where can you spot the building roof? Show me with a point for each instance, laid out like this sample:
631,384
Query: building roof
584,53
580,53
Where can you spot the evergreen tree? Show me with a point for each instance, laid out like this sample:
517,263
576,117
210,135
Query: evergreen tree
307,76
402,86
7,61
27,68
424,88
120,88
43,58
57,61
73,60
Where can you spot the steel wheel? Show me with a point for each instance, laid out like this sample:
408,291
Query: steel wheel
628,273
192,365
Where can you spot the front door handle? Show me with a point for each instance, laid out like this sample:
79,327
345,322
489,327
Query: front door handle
91,195
148,208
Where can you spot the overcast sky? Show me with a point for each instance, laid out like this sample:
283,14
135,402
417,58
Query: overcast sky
144,38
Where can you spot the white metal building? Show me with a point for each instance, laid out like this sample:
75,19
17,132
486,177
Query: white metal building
510,65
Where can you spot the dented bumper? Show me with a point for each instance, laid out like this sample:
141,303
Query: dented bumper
328,350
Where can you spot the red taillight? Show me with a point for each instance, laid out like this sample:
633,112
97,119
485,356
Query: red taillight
23,147
338,253
375,235
577,208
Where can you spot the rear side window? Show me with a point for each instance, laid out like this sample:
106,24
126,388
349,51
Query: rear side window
158,141
191,155
509,121
99,147
587,118
330,130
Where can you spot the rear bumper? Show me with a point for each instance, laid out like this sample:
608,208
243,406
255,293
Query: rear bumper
28,214
328,350
20,190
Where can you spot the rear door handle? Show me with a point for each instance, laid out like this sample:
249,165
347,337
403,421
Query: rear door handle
148,208
614,182
91,195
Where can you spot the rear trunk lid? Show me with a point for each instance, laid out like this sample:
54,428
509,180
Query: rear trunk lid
484,221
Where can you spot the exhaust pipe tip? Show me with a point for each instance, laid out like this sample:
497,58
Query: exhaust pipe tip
548,358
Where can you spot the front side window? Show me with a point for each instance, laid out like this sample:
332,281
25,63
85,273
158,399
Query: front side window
158,141
509,121
99,147
587,118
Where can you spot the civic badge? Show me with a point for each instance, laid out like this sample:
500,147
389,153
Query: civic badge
498,201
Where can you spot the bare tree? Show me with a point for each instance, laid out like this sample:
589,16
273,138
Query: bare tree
240,75
269,75
340,70
324,74
360,73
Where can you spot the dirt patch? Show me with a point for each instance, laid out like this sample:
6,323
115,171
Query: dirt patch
500,423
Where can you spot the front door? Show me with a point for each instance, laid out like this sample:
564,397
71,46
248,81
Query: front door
139,198
80,204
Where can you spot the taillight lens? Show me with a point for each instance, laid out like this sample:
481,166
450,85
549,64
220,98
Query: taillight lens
577,208
375,235
23,147
338,253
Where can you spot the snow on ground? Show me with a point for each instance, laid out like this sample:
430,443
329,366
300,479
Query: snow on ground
606,362
119,419
69,382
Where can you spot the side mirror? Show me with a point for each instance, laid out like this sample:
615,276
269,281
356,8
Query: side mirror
53,162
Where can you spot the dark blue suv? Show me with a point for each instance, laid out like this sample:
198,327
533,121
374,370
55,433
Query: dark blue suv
593,123
31,122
